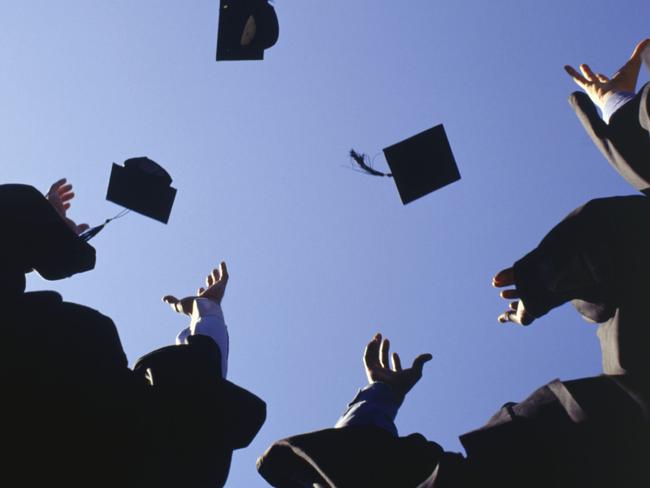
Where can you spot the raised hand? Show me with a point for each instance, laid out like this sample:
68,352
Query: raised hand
375,359
215,288
599,87
59,196
517,311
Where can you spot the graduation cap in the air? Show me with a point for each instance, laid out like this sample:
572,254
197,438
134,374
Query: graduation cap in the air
141,185
246,29
419,165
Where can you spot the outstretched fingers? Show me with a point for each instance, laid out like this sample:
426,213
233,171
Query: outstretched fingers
505,316
509,293
418,362
588,73
217,276
173,302
505,277
223,272
67,195
517,314
510,315
383,353
56,185
598,86
62,190
627,76
577,77
397,363
371,353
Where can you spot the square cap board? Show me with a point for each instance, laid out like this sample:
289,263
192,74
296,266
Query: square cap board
246,29
143,186
422,164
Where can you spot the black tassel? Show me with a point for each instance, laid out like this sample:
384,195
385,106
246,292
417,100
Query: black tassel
90,233
361,160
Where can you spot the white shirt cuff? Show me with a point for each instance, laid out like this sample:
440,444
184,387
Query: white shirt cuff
207,319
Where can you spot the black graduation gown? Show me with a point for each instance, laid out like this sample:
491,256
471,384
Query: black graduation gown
76,415
589,432
195,417
625,141
69,399
73,412
597,257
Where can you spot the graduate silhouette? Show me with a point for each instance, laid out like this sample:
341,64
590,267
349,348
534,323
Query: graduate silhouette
75,413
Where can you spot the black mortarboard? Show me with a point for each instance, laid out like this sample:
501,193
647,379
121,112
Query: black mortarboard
143,186
246,29
422,164
419,165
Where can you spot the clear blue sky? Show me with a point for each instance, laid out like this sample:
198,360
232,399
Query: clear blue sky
322,257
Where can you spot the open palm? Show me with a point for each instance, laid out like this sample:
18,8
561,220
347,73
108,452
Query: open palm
599,87
375,359
215,288
60,196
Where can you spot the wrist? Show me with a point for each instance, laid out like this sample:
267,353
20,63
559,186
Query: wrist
388,389
203,307
604,96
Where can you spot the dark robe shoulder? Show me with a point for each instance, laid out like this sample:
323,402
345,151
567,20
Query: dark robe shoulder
597,257
625,141
591,432
349,457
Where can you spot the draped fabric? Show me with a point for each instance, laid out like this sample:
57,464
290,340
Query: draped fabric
625,141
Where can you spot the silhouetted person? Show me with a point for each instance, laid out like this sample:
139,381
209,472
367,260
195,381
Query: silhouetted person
195,450
588,432
74,413
622,134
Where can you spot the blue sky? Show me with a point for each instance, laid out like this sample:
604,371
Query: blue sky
322,257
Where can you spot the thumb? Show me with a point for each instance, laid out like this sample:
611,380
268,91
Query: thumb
640,47
174,302
418,362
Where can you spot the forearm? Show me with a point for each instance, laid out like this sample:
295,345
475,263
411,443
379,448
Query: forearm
207,319
374,405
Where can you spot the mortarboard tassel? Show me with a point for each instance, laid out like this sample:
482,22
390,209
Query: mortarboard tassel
361,160
90,233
